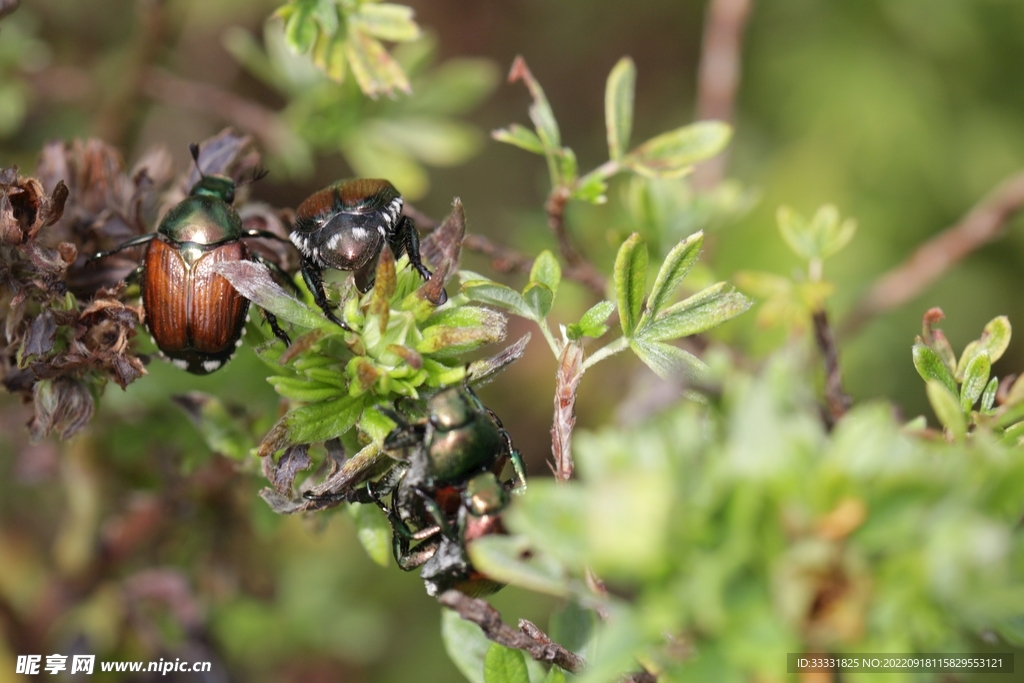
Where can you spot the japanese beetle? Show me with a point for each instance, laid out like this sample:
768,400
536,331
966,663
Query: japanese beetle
446,492
194,315
345,226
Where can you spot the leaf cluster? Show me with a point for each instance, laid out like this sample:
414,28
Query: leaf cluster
743,529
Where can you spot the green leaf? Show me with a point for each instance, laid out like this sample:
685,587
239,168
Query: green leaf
374,532
591,188
312,423
618,106
667,361
674,153
677,264
796,232
445,341
946,408
505,665
387,21
930,366
300,28
994,341
976,376
540,111
539,298
708,308
220,430
547,271
326,13
988,399
376,72
511,560
567,166
631,281
499,295
555,675
592,322
519,136
465,644
254,282
302,389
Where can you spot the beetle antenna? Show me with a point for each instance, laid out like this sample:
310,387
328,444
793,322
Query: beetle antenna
194,148
258,173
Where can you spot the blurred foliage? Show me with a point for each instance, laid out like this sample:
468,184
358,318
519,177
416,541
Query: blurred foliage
386,139
729,532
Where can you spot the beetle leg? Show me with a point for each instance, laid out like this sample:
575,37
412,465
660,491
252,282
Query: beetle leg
133,242
315,281
520,469
434,510
407,240
278,332
366,276
277,270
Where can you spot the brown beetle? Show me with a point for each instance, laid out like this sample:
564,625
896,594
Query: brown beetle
194,315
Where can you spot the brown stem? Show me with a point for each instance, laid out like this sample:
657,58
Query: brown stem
981,225
529,639
570,372
115,117
508,260
718,76
582,270
836,400
209,99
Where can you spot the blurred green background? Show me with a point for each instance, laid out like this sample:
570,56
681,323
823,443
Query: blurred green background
904,113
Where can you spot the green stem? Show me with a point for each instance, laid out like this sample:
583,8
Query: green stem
556,348
620,344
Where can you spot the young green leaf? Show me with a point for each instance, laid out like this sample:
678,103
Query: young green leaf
674,153
539,298
495,294
312,423
546,271
994,341
796,232
466,645
618,106
975,378
505,665
374,532
677,264
219,429
376,72
303,389
931,367
254,282
386,21
519,136
988,399
708,308
946,408
511,560
555,675
631,281
592,322
667,361
591,188
540,111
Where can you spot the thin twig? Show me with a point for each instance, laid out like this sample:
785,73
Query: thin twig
583,270
570,372
116,116
981,225
718,76
836,400
503,259
530,639
209,99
